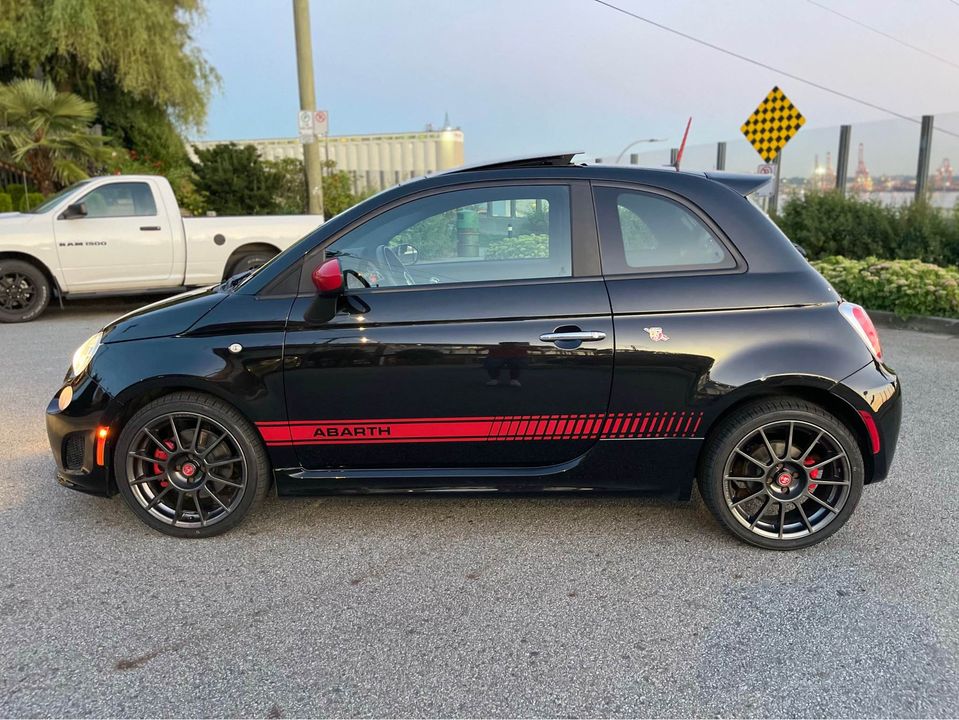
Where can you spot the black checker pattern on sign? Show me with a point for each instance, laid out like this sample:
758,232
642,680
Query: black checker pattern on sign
772,124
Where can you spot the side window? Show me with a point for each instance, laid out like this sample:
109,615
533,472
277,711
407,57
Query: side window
487,234
132,199
646,232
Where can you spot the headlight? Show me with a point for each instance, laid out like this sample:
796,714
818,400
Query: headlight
85,353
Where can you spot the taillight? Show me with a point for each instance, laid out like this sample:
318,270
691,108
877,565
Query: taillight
862,324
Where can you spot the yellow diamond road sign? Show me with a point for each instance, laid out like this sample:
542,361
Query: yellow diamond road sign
772,124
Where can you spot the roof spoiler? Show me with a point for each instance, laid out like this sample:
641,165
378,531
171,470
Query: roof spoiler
739,182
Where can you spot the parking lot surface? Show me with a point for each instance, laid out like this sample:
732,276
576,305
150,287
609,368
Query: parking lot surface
474,605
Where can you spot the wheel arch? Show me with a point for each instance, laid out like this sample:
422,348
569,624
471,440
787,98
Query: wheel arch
246,249
814,390
132,399
38,263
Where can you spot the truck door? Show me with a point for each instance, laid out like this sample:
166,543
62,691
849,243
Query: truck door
123,241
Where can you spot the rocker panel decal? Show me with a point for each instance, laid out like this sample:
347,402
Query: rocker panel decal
596,426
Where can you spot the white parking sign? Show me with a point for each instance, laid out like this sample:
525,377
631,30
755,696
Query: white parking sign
769,189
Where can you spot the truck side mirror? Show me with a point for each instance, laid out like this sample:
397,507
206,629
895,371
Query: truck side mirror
76,210
328,280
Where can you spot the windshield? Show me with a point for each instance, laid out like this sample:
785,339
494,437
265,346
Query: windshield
55,198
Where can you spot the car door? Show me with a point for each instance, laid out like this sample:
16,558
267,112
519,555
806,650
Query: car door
124,241
484,337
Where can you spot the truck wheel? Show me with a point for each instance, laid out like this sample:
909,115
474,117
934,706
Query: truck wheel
24,291
249,261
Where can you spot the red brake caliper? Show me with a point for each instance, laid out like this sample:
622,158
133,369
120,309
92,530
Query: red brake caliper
815,474
160,455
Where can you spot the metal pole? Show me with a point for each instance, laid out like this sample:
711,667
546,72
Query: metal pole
774,199
721,156
634,158
304,71
925,149
842,158
673,154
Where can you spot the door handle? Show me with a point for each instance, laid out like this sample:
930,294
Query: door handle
579,336
147,228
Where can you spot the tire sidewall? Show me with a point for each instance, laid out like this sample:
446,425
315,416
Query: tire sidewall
243,263
40,282
728,441
256,477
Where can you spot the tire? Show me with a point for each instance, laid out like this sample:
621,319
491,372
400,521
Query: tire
249,261
24,291
188,486
782,500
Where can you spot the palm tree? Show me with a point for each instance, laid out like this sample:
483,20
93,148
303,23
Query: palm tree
47,133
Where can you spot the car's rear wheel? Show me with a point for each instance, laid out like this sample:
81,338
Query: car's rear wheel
24,291
782,474
190,465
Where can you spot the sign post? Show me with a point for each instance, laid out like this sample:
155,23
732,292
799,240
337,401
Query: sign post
772,124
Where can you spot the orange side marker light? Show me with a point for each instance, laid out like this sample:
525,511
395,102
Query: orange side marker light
102,433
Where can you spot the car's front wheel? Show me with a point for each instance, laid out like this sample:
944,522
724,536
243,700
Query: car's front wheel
190,465
782,474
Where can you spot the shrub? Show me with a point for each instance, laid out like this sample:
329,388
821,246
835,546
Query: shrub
519,247
30,201
827,224
905,287
6,202
16,193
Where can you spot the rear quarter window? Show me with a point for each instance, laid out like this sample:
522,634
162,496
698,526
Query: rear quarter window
645,232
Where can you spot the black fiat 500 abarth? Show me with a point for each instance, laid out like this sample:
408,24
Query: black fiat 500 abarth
525,325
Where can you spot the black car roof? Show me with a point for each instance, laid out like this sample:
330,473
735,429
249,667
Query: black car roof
741,183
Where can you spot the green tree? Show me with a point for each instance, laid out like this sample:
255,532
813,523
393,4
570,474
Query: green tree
47,133
141,48
235,181
291,185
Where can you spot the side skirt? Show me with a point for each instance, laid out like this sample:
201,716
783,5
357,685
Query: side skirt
663,467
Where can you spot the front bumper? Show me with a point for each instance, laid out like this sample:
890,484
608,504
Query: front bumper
73,437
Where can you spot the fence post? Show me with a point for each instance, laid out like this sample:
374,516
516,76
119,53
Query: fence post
721,156
925,149
842,158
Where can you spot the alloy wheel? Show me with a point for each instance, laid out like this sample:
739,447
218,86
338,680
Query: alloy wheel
786,480
187,470
17,292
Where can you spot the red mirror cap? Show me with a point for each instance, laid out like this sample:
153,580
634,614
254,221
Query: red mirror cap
328,277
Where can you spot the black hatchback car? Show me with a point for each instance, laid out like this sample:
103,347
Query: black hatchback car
526,325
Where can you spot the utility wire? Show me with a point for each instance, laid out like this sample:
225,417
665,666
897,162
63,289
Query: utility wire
885,34
757,63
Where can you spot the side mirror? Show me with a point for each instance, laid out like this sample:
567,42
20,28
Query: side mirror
77,210
328,281
328,278
408,254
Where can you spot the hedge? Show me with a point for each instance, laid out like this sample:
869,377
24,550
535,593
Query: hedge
30,201
6,202
519,247
827,224
905,287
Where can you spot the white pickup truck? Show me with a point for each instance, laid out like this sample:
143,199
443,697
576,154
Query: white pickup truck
123,234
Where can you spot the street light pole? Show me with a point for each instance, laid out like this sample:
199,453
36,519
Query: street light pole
304,71
637,142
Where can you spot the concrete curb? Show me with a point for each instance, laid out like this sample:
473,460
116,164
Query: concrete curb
921,323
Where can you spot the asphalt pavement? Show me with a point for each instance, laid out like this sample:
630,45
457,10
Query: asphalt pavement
474,606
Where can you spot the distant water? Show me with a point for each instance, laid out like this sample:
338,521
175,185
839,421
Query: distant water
947,200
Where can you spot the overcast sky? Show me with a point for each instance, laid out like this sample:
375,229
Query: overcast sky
521,76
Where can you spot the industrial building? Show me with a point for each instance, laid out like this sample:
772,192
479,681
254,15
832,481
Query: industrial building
373,161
